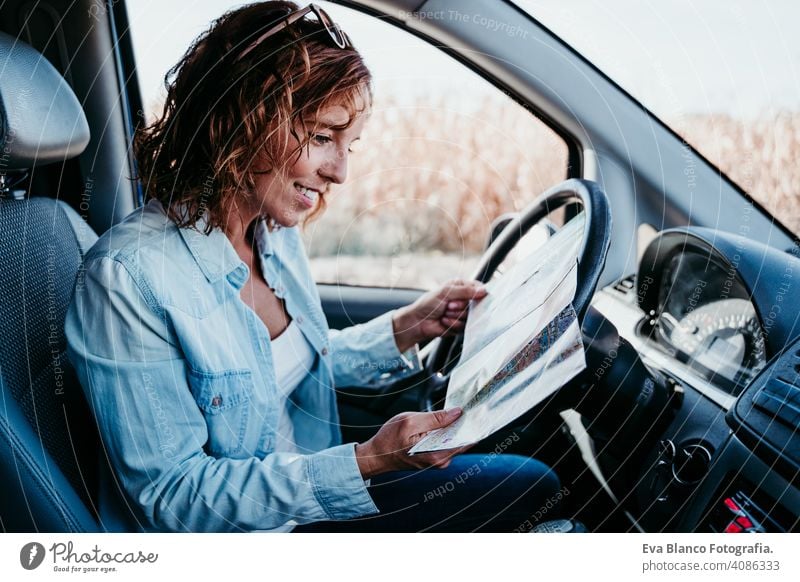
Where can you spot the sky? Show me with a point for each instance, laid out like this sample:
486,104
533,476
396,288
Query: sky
740,57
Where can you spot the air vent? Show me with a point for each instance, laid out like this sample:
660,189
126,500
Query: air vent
781,400
766,416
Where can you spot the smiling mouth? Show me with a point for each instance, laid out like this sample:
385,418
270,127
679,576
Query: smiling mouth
308,196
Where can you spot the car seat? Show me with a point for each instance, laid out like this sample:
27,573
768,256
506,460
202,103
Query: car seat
48,438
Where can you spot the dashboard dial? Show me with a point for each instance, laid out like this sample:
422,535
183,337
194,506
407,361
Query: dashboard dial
723,337
707,320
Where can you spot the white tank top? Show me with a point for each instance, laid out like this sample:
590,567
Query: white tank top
292,357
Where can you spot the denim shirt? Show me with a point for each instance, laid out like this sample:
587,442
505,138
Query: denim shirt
178,371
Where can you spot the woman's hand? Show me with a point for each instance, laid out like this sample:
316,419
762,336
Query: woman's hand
436,313
388,449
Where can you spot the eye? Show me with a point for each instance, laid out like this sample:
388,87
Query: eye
321,139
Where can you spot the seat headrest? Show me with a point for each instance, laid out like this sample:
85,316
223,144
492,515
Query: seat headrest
41,120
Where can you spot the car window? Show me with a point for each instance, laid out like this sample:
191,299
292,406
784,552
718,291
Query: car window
721,74
443,155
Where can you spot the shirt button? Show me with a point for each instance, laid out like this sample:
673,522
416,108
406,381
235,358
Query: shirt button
324,351
280,289
216,402
299,319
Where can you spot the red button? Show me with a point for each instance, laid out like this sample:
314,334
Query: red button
732,505
733,528
744,522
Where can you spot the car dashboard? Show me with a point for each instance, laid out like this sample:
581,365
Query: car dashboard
705,319
714,319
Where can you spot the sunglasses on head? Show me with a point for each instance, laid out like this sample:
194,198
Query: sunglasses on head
336,34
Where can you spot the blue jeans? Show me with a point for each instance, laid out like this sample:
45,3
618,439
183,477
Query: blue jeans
489,493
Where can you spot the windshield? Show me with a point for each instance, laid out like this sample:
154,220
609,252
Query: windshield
722,74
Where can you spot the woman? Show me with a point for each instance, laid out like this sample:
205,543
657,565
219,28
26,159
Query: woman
197,331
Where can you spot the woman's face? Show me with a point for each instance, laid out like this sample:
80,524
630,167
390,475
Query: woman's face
288,196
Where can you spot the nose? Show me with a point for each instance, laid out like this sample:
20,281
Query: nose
335,167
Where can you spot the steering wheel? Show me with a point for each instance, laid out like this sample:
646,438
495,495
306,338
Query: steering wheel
591,260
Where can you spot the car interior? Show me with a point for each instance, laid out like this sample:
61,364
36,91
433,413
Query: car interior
685,419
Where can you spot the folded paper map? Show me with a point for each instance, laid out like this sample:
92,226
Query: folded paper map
522,342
